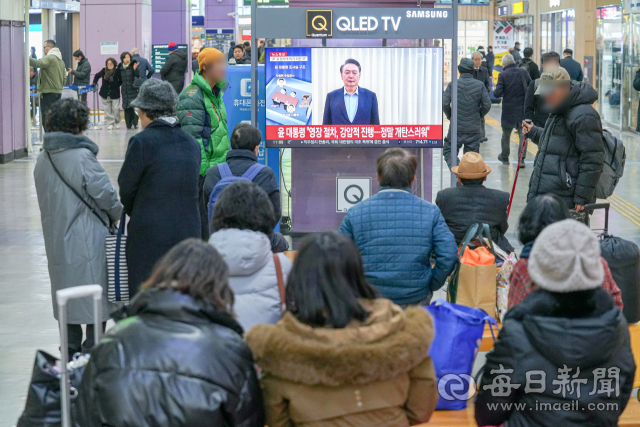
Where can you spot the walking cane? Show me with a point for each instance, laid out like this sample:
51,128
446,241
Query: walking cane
513,190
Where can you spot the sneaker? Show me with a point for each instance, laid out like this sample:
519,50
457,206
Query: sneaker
522,165
110,127
504,162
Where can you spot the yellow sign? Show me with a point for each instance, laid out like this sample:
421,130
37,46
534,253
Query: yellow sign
518,8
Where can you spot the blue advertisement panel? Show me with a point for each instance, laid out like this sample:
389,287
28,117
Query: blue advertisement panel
237,101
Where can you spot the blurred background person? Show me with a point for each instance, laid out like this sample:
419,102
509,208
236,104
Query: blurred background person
145,69
175,67
110,92
129,74
82,73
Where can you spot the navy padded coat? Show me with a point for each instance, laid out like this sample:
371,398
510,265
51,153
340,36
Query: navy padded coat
397,233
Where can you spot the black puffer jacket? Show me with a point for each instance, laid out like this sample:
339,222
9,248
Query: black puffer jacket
570,154
128,76
174,69
473,104
111,88
511,87
548,332
176,362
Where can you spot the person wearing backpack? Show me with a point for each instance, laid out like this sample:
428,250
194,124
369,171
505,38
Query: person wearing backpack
570,155
202,115
242,165
529,65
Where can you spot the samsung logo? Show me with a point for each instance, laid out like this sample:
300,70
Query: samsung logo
427,13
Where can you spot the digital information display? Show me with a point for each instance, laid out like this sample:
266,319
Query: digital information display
353,97
160,53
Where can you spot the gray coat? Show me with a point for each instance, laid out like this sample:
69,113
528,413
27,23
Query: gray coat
473,104
252,275
74,238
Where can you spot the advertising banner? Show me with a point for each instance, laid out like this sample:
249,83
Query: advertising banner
354,97
503,40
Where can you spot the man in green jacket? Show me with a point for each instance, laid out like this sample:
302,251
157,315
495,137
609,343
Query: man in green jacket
82,73
51,77
202,115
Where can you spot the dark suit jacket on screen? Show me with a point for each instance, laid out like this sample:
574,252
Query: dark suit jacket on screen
335,112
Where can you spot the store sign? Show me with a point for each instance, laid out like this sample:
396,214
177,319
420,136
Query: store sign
518,8
631,6
555,3
503,11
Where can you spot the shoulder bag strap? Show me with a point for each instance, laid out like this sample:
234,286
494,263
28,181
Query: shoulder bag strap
279,275
253,171
91,208
523,74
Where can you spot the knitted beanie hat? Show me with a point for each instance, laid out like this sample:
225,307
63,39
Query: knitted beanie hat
172,46
210,55
156,95
566,258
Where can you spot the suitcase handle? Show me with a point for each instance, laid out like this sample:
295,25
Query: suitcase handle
605,206
63,296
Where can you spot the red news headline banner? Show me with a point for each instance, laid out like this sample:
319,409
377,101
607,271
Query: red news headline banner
360,132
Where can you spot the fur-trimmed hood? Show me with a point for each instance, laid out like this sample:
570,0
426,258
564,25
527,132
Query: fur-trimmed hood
391,342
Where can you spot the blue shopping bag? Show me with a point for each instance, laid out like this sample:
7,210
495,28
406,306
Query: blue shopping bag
458,334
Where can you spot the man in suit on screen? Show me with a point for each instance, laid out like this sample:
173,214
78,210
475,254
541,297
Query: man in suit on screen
351,104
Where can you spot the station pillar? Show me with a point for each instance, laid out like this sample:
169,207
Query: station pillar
169,18
13,74
217,12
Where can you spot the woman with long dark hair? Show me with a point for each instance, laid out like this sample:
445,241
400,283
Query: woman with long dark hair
342,355
110,92
179,358
128,69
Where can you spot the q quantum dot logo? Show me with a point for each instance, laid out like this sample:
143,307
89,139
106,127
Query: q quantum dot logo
319,23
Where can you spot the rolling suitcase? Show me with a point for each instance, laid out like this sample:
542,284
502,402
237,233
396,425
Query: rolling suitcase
623,258
49,396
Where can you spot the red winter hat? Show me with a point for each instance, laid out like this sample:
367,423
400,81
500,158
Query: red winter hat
172,46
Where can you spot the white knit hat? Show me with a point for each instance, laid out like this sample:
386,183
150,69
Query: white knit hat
566,258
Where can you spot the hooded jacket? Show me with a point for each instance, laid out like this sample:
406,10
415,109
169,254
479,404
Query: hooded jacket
542,337
473,103
82,73
52,74
175,362
74,238
202,114
370,374
570,151
174,69
252,275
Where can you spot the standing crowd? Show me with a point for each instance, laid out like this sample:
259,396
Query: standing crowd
339,337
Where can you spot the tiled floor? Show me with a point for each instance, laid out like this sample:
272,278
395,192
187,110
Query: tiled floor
26,316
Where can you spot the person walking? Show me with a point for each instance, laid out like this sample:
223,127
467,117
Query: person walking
570,150
571,65
145,69
534,107
517,57
341,355
78,207
178,353
529,65
130,76
481,74
175,67
158,182
384,225
202,113
491,59
512,87
110,92
82,73
473,105
567,329
51,77
242,223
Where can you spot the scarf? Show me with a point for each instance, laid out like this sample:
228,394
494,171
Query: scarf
109,74
126,65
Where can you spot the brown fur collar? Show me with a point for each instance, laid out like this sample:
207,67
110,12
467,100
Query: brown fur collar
293,355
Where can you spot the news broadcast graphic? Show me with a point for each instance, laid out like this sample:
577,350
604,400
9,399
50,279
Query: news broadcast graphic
354,97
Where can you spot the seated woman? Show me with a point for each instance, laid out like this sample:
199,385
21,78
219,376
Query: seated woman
563,357
242,220
538,214
342,356
179,360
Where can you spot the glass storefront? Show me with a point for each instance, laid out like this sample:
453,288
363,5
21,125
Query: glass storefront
609,62
557,31
631,62
471,34
524,31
